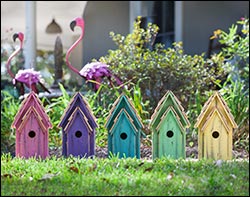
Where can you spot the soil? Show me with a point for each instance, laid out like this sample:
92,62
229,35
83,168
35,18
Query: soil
146,152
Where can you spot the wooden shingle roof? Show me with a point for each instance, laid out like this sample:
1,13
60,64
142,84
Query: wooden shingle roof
123,115
215,113
31,100
32,112
215,101
170,111
77,113
123,102
169,99
78,101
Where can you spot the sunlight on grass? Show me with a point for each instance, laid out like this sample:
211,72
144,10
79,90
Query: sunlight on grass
114,176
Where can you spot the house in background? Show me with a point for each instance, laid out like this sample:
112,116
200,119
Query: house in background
191,22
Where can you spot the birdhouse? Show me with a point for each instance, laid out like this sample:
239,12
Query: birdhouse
78,128
168,124
215,129
124,129
32,124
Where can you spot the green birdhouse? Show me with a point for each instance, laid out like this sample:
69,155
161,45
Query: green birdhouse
168,124
124,129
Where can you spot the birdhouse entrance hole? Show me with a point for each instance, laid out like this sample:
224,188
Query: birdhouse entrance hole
78,134
123,136
215,134
32,134
170,133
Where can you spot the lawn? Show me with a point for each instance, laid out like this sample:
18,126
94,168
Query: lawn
119,177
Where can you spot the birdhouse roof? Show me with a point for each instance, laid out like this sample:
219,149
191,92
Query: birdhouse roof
118,121
31,100
77,113
169,99
170,113
123,102
215,101
78,101
32,111
215,113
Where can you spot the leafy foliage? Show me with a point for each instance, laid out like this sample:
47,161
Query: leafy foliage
9,108
55,108
137,57
235,89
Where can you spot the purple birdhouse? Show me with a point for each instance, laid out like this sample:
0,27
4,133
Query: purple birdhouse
78,128
32,123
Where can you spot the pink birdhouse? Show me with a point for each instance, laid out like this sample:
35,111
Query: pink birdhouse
32,124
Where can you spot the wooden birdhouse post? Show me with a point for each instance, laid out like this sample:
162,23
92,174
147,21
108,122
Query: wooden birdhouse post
78,128
215,129
32,124
124,129
168,124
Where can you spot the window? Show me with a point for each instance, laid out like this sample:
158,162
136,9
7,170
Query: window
162,14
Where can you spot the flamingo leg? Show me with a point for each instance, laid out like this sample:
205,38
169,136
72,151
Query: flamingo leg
44,88
22,89
34,88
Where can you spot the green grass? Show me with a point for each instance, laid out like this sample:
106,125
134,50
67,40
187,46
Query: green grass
120,177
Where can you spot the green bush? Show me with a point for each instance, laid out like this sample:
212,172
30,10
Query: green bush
235,90
9,108
159,69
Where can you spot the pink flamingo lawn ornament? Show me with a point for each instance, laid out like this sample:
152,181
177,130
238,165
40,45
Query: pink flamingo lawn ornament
27,77
94,71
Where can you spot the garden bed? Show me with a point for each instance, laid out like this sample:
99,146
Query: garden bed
146,152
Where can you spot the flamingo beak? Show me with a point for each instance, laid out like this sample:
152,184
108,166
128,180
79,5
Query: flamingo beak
72,25
15,36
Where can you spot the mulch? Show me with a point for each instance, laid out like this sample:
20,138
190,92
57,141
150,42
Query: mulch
146,152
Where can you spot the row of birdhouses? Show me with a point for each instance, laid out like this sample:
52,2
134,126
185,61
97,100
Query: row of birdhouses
125,128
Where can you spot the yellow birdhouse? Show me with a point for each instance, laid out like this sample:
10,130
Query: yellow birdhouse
215,129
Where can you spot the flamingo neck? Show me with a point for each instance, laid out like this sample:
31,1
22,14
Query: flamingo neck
9,60
69,51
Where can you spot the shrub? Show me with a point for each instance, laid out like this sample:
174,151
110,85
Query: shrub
138,58
9,108
235,89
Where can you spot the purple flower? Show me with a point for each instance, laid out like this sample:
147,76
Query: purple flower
96,71
93,70
28,77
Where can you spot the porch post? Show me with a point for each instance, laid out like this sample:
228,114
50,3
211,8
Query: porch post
30,35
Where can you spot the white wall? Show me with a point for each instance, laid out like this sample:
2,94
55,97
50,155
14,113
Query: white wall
195,23
201,18
102,17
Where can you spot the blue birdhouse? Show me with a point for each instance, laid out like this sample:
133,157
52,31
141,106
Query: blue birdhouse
78,128
124,129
